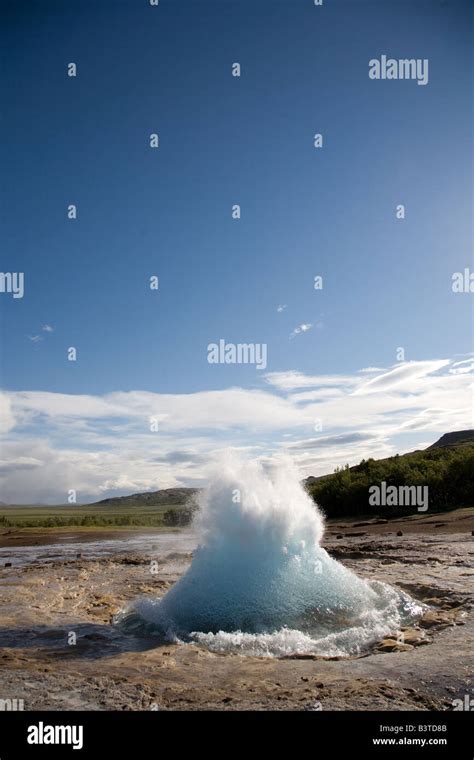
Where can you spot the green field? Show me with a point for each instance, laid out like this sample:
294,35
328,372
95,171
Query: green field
85,516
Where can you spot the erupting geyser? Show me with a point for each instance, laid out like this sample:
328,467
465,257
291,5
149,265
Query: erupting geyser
260,582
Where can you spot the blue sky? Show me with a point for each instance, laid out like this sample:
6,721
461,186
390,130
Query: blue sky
167,212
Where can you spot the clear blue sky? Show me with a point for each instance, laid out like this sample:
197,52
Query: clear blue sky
226,140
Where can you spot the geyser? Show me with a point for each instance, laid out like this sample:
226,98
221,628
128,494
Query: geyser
260,582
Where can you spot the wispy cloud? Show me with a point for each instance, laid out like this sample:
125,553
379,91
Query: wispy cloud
462,367
403,375
292,380
301,329
324,441
39,338
281,307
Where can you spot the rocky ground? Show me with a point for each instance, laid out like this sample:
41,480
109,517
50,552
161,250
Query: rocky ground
58,649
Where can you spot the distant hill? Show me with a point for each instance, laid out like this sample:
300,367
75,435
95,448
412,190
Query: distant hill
163,497
446,467
454,439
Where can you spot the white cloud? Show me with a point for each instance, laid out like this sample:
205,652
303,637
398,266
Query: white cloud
462,367
291,380
101,445
232,408
402,375
7,419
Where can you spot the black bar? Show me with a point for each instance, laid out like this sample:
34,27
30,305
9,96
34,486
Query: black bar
156,733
